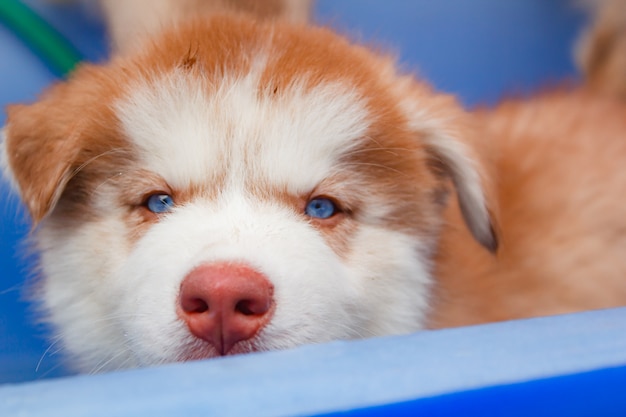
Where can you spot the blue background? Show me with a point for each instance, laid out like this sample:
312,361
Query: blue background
478,49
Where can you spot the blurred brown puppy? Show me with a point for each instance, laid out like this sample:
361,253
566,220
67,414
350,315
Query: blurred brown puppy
555,162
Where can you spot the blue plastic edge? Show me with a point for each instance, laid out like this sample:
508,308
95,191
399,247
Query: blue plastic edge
472,367
594,393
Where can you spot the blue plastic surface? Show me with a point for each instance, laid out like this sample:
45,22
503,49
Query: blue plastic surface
574,363
588,394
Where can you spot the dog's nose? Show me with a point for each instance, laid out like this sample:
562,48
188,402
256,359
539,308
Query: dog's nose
225,303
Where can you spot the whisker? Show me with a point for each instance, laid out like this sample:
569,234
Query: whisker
124,364
102,365
50,370
376,166
95,158
392,151
11,289
95,190
47,351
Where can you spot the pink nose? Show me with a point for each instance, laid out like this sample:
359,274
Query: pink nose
225,303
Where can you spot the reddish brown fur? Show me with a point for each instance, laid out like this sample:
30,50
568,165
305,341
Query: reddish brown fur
558,169
51,142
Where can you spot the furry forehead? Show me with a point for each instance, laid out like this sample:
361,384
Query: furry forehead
191,136
221,68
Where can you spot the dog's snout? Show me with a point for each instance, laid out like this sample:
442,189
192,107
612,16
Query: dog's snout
225,303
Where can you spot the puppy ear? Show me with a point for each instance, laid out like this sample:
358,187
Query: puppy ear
47,143
37,155
449,136
454,156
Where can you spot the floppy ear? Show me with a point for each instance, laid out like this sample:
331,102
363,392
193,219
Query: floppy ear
447,132
45,144
37,155
470,187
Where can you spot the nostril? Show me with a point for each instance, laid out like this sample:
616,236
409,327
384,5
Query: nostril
194,305
247,308
244,308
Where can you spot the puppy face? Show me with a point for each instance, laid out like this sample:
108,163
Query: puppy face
237,187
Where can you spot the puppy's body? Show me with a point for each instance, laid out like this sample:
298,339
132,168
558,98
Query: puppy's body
240,186
556,163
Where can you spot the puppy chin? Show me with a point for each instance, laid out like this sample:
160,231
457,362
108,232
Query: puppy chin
199,350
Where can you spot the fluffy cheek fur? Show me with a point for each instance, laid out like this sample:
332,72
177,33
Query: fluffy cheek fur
125,314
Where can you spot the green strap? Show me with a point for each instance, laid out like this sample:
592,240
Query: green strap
48,44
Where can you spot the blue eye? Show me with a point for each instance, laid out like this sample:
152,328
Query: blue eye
320,208
160,203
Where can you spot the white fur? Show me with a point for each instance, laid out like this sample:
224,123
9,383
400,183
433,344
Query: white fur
126,294
5,169
294,140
